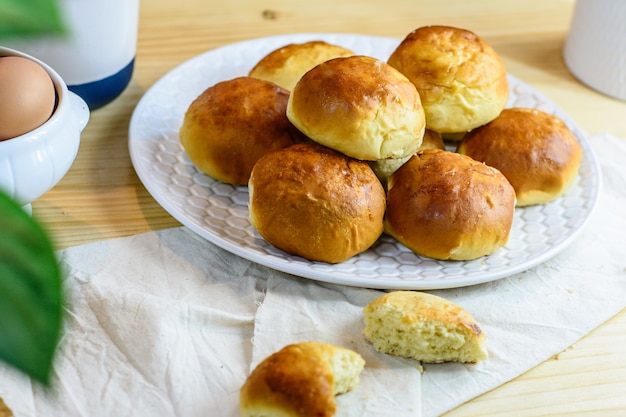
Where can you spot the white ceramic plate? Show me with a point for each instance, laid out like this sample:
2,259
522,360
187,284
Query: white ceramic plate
219,212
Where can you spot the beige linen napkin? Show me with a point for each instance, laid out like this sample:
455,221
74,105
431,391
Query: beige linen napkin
158,324
167,324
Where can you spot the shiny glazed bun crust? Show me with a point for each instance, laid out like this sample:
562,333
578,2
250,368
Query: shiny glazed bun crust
232,124
359,106
461,80
300,380
286,65
536,151
445,205
311,201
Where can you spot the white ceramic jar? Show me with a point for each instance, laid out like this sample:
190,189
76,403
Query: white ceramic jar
97,58
595,48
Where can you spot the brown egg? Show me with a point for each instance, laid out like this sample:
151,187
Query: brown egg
27,96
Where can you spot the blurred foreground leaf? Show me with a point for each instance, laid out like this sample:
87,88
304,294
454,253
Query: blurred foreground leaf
30,293
28,18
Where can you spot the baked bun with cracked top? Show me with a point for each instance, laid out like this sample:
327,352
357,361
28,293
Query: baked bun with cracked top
445,205
424,327
461,80
287,64
300,380
314,202
231,124
359,106
536,151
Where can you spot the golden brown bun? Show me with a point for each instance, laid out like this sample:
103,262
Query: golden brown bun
425,327
311,201
383,168
359,106
536,151
286,65
444,205
232,124
300,380
461,80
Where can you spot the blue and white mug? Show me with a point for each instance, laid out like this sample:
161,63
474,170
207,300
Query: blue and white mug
96,57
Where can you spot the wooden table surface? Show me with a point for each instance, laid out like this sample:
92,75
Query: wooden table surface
101,197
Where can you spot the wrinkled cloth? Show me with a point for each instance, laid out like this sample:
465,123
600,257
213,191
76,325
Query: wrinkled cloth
165,323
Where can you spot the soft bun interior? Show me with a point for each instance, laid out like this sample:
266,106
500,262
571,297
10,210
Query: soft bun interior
424,327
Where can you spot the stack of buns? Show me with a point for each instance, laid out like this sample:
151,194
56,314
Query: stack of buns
321,200
337,148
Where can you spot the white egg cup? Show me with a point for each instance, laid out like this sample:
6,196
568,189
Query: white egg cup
32,163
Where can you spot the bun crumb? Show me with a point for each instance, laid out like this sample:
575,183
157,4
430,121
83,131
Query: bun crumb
424,327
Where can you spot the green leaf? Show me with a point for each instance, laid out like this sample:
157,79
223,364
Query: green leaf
23,18
30,293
